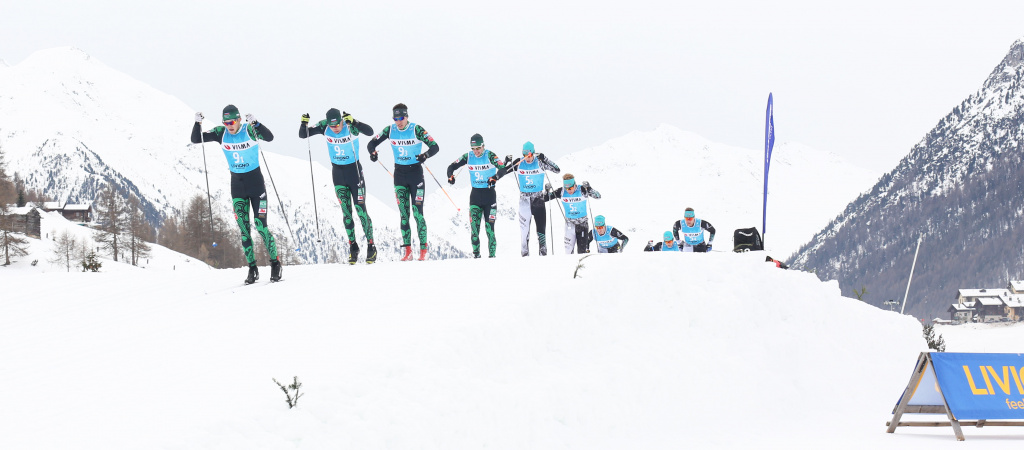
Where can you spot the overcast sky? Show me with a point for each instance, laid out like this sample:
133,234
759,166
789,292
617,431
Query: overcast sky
864,79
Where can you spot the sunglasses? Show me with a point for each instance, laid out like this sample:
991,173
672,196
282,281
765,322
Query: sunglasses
399,118
527,153
232,122
334,125
669,242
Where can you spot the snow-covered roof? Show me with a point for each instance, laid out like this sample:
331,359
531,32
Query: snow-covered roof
942,321
21,210
50,206
980,292
1014,301
990,301
1017,285
961,307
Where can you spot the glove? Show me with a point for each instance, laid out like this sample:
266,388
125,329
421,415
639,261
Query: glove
491,181
252,120
650,243
199,117
347,118
547,188
451,179
421,157
373,156
508,159
623,248
586,184
709,247
305,118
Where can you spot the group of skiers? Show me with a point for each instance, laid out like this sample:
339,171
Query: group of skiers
412,145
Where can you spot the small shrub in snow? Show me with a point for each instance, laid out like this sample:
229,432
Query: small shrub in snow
291,392
90,263
934,340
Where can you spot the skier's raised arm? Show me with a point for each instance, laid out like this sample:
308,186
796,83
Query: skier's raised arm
198,136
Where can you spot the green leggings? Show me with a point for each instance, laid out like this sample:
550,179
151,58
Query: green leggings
476,215
404,197
347,197
241,207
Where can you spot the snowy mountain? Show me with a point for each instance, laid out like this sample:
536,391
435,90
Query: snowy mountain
69,124
647,179
959,188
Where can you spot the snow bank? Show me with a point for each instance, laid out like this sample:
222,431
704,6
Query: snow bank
643,351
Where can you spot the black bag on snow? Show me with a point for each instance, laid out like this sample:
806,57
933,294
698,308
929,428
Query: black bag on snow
746,240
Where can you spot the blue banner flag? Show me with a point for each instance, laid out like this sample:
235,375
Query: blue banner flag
769,143
981,385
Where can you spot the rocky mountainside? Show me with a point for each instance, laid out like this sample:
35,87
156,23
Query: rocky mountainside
961,189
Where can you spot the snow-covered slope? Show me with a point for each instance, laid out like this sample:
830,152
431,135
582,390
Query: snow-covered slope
69,124
648,178
629,356
52,225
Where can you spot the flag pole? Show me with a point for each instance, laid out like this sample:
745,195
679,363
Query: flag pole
769,143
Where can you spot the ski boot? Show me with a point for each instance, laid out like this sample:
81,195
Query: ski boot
275,271
371,253
476,255
423,253
254,274
407,253
353,253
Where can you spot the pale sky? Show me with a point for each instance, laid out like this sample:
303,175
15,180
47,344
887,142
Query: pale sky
865,80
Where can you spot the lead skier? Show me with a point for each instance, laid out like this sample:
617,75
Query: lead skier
240,143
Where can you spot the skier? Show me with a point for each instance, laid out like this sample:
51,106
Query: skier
692,230
574,201
240,143
485,169
342,132
607,238
777,263
530,175
407,141
668,245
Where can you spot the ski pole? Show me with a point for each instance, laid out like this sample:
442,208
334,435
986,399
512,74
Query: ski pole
312,183
442,188
280,204
206,172
386,168
560,209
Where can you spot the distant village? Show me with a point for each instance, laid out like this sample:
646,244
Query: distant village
987,305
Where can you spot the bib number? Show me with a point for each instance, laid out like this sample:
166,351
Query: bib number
238,158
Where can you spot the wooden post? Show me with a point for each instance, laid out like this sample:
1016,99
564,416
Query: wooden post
901,407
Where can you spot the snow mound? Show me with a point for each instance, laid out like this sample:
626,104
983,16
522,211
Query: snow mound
641,351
